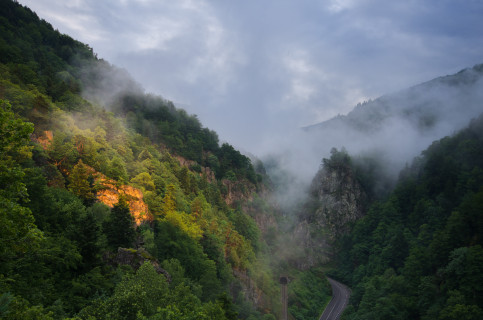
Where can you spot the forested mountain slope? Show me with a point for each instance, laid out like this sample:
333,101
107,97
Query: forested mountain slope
418,254
115,204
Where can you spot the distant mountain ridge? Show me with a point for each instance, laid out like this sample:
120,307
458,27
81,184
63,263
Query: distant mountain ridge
419,103
396,127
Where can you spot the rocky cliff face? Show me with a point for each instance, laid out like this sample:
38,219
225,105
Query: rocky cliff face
44,140
206,171
109,193
313,246
336,200
249,289
236,191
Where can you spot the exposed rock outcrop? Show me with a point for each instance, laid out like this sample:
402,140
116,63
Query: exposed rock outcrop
238,191
337,199
135,259
109,193
44,140
206,171
313,246
250,291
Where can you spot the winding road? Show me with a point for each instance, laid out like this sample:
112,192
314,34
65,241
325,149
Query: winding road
340,298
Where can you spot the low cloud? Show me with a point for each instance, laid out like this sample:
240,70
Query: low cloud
255,72
392,129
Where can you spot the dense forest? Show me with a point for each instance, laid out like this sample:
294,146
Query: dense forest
116,204
119,208
417,253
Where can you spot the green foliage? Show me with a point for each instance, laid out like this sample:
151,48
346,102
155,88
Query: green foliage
140,293
117,169
100,212
62,152
337,159
5,300
79,183
177,273
174,243
309,292
20,309
38,55
234,164
418,254
144,182
146,295
55,236
148,238
18,233
247,227
159,120
119,228
88,239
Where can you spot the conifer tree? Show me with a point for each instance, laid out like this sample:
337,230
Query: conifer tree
119,228
79,181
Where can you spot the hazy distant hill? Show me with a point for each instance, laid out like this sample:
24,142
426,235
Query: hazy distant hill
399,126
444,100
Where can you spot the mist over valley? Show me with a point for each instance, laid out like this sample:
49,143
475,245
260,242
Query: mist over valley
118,202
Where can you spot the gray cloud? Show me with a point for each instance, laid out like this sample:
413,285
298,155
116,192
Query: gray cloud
256,71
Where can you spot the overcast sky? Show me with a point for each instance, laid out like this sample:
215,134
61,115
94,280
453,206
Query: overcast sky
254,70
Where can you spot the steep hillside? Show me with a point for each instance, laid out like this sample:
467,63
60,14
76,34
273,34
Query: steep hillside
410,253
116,204
418,254
339,195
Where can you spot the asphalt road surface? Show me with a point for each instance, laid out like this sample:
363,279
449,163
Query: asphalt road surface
340,298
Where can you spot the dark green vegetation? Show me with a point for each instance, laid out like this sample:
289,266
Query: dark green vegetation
60,153
178,238
309,292
418,254
161,122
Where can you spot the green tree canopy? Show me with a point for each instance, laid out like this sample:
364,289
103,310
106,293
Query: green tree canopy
18,231
119,228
